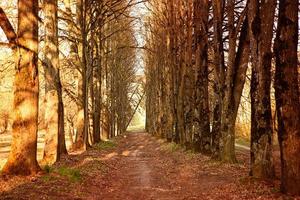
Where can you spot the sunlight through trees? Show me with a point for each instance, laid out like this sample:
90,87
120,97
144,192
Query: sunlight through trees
209,76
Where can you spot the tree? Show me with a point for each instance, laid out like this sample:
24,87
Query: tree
22,157
261,20
235,76
202,136
287,95
219,70
54,111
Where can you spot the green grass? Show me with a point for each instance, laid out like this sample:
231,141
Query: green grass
48,178
72,174
105,145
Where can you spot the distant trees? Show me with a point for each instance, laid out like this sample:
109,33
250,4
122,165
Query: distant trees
198,56
193,48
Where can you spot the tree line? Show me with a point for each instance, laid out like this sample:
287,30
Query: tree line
197,59
86,53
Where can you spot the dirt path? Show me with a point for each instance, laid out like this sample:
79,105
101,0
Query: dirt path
140,167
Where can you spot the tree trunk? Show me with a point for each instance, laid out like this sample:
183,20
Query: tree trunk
22,157
98,80
202,134
261,20
54,118
287,95
219,70
235,80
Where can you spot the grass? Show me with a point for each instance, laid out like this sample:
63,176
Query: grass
72,174
48,178
105,145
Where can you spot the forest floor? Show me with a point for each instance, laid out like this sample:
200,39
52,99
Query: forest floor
138,166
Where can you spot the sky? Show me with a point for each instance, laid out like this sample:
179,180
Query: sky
139,11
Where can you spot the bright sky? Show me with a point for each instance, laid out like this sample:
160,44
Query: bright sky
139,11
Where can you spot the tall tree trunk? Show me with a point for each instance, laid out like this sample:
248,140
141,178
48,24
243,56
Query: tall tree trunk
171,77
22,157
287,95
188,79
82,123
261,20
227,143
235,80
98,80
54,118
219,70
202,135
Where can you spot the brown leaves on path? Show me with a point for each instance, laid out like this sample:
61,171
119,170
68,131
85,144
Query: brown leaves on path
138,166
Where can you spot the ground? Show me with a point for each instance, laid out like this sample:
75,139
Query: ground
139,166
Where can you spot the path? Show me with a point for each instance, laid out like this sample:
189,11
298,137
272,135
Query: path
149,172
141,167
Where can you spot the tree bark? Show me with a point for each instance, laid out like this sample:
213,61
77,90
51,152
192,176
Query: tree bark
98,81
219,70
202,135
235,80
54,115
287,95
261,20
22,157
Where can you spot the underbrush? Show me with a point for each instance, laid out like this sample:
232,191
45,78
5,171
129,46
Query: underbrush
105,145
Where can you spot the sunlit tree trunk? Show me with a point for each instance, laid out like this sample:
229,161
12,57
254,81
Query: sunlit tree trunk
22,157
287,95
82,123
54,118
261,20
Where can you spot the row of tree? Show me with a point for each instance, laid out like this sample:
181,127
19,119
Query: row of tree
88,61
199,52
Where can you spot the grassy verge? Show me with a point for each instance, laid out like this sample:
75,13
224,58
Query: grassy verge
105,145
72,174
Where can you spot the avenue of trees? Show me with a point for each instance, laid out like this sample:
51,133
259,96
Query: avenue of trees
199,53
77,59
75,76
